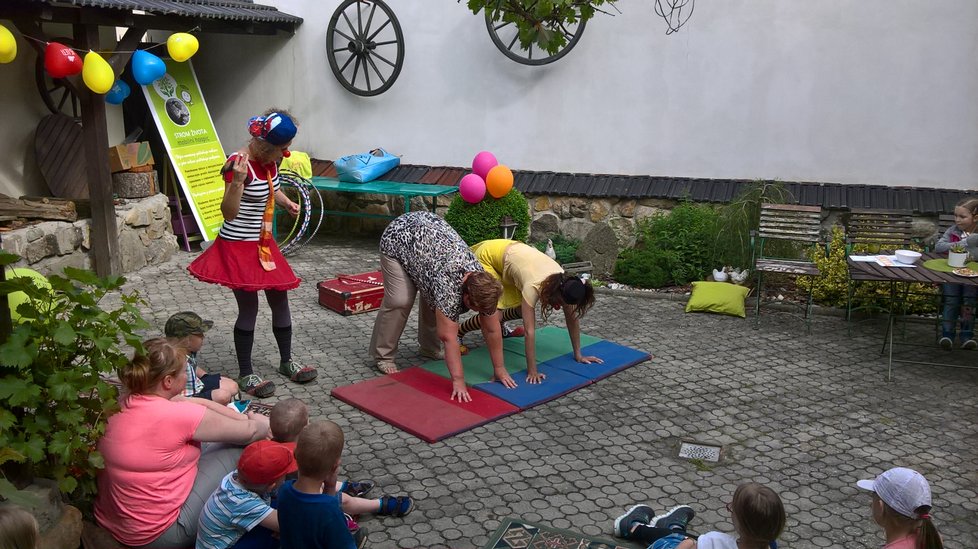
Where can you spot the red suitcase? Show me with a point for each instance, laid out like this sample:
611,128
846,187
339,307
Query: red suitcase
352,294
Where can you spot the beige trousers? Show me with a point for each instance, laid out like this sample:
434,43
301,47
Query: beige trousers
399,295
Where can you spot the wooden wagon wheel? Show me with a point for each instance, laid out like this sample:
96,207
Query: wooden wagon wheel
364,46
505,35
57,93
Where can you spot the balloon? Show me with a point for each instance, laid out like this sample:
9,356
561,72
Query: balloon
147,68
97,73
482,163
499,181
8,45
119,92
472,188
61,61
181,46
16,298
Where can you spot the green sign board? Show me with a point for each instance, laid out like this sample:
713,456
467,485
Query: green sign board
191,142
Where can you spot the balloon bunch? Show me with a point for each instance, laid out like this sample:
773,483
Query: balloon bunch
488,175
62,61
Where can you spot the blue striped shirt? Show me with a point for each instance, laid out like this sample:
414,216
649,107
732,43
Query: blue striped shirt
230,513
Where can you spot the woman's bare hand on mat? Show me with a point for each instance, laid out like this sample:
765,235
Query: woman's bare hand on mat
460,392
505,379
589,360
535,377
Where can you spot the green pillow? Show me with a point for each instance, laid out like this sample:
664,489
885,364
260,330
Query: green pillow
718,297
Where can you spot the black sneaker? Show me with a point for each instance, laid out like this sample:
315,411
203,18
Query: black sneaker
639,513
676,519
360,537
357,488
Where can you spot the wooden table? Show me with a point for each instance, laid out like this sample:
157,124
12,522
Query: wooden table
872,271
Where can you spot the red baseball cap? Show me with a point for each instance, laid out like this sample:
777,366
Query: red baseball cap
264,462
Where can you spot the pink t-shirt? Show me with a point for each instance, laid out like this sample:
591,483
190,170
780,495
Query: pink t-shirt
150,467
908,542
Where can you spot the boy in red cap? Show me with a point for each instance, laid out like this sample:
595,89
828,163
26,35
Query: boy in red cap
239,512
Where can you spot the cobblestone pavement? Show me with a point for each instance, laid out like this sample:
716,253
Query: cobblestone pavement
806,415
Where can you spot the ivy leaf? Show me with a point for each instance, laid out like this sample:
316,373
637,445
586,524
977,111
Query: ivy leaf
18,391
64,334
10,493
16,351
67,484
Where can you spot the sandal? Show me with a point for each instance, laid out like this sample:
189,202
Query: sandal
387,367
357,488
296,372
395,506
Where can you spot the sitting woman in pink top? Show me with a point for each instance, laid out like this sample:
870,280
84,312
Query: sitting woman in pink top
156,479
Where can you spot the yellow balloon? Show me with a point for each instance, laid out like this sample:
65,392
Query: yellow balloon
16,298
8,45
181,46
97,73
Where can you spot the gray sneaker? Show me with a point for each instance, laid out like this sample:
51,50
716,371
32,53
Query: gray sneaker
970,345
945,343
676,519
639,513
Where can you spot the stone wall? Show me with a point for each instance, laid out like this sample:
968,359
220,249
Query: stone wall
145,238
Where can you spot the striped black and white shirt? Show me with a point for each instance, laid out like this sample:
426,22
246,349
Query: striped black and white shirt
247,225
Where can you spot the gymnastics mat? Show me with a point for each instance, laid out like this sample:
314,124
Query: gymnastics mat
527,395
419,402
552,342
616,358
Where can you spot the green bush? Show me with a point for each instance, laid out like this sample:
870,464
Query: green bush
53,402
644,268
688,235
478,222
742,215
831,287
565,248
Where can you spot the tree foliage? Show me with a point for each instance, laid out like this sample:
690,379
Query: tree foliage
539,22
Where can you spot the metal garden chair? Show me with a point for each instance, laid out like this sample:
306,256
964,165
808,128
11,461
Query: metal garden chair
796,226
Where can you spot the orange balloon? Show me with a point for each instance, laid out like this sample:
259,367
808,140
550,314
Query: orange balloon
499,181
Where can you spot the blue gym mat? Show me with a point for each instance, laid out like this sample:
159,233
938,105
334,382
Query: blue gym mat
616,358
526,395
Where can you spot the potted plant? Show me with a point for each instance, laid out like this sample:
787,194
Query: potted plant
54,401
957,255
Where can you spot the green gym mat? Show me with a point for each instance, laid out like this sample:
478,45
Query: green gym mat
552,342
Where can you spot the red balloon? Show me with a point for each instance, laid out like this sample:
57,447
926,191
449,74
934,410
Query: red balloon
61,61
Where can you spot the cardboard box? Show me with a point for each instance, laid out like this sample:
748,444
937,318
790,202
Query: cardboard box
129,156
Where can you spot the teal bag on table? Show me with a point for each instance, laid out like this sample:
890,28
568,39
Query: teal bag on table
360,168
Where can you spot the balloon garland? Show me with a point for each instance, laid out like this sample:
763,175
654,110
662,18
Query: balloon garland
488,177
61,61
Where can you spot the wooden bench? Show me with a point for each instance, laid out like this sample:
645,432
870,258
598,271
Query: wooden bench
386,188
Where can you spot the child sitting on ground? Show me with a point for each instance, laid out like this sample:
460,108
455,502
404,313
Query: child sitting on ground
239,513
18,528
188,329
286,421
756,511
901,506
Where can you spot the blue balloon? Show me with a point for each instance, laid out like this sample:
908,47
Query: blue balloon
117,93
147,68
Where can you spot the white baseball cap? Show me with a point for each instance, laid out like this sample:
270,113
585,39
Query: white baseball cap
904,490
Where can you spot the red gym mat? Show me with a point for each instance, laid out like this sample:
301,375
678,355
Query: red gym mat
419,402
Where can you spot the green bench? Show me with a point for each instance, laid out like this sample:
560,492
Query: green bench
388,188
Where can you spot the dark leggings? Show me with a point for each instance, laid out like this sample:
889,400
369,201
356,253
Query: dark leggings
244,327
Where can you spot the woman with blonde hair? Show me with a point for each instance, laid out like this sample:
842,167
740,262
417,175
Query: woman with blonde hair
156,476
18,528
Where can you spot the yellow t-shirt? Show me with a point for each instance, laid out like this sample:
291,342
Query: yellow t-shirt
521,269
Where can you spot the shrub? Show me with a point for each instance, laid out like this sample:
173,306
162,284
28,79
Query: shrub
831,287
565,248
478,222
687,234
645,268
742,215
53,404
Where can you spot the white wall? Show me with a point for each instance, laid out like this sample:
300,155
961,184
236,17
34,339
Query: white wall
852,91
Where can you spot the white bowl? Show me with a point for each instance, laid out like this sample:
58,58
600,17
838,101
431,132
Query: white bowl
908,257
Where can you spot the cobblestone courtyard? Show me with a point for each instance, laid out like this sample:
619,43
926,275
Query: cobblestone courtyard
806,415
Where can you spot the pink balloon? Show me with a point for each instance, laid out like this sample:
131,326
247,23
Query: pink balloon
472,188
482,163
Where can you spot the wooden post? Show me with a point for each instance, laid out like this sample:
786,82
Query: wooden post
105,233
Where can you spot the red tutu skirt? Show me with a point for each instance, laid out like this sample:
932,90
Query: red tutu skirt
234,263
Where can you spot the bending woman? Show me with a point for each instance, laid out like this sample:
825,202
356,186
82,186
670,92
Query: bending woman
528,277
156,479
244,256
420,251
